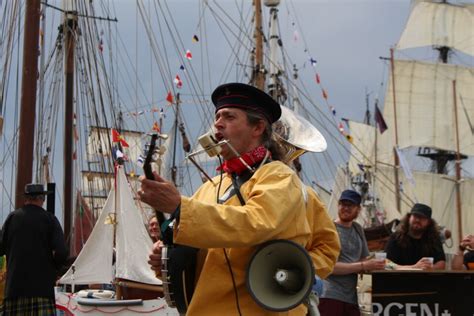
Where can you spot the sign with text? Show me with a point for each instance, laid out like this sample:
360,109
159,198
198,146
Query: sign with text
417,293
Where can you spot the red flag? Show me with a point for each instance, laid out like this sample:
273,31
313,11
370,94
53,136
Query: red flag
188,55
341,128
318,81
380,120
117,138
156,127
169,97
325,95
178,82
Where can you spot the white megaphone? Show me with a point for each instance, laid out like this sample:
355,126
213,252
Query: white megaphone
280,275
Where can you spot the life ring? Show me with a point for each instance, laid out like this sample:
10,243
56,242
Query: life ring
100,294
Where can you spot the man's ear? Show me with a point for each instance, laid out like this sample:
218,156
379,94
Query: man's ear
259,128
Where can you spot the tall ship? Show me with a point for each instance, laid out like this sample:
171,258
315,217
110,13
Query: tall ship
419,145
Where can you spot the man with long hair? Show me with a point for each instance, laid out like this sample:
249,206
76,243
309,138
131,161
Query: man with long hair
416,243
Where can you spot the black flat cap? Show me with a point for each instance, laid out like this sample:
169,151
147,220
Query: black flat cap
421,209
246,97
35,189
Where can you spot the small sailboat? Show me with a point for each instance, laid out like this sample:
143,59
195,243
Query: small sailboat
116,253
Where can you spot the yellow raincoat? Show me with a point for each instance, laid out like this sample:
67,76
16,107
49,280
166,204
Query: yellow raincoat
274,209
324,246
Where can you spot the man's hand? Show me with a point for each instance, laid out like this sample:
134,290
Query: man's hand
467,242
160,194
374,264
154,259
424,263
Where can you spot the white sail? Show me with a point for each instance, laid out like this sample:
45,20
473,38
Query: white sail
363,146
424,94
93,265
133,243
440,24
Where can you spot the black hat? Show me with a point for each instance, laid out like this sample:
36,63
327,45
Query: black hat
35,189
246,97
421,209
350,195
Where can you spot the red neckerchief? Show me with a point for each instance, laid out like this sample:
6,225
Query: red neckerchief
252,157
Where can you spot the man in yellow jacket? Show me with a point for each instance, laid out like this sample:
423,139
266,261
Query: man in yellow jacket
232,217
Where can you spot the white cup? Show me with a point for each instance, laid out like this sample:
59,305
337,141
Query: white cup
381,256
430,259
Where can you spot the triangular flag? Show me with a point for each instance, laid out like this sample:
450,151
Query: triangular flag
169,97
349,138
380,120
318,81
116,137
313,61
296,36
195,38
156,127
325,94
188,55
178,82
182,67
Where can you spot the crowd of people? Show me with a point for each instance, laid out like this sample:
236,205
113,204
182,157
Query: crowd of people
255,198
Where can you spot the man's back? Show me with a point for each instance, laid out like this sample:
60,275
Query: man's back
29,238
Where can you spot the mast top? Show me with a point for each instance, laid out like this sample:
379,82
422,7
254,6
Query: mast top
271,3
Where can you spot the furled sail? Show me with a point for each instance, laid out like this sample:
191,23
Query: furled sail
440,24
424,94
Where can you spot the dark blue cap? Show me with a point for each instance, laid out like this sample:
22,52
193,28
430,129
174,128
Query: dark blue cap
350,195
246,97
421,209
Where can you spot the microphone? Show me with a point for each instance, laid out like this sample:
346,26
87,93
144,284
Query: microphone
210,144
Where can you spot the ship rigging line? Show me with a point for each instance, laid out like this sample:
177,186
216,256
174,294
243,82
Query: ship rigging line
80,15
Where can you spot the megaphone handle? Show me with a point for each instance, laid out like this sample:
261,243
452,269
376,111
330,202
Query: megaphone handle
312,303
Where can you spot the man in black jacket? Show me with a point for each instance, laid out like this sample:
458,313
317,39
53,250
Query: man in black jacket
33,242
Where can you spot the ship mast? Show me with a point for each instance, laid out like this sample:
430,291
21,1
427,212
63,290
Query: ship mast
28,98
69,29
259,72
458,165
395,154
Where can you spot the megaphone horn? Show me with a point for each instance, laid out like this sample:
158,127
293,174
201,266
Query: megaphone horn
280,275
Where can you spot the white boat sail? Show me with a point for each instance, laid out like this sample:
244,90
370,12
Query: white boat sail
425,117
120,221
